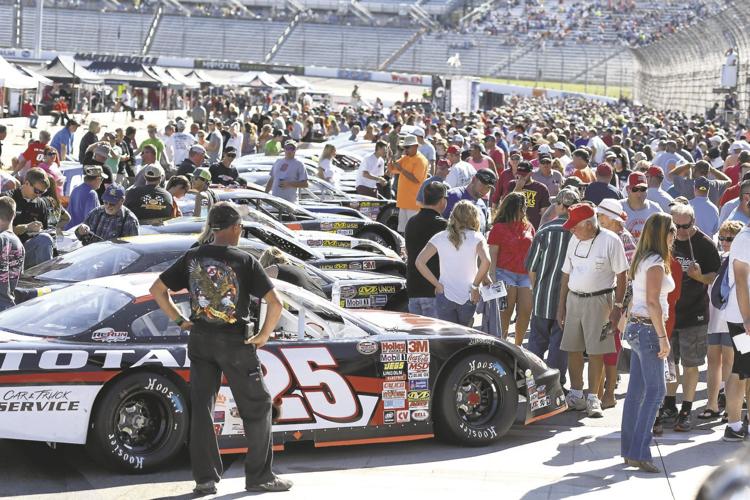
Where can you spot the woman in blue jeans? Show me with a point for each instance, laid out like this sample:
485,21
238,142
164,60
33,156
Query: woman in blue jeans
647,335
459,248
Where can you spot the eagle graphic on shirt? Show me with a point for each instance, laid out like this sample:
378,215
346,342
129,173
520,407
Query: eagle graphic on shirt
213,291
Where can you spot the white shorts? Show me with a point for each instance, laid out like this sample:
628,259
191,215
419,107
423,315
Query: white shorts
404,215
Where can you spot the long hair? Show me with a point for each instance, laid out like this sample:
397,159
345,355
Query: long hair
464,216
512,209
207,236
654,241
272,256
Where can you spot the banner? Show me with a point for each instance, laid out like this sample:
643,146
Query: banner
240,66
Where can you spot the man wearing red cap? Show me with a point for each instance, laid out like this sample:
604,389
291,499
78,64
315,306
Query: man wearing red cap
594,268
654,178
636,205
601,189
460,173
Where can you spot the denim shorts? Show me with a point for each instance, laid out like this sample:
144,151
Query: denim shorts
722,338
513,279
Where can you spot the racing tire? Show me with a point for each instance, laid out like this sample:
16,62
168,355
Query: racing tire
389,217
139,424
476,401
377,238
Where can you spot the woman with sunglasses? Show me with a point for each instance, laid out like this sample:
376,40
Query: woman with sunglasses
647,335
720,352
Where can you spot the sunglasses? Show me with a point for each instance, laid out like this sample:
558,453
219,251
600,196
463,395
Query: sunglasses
726,238
683,226
638,189
38,191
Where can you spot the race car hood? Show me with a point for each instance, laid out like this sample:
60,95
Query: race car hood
347,275
412,323
324,217
334,252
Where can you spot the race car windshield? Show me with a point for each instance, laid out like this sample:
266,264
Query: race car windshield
93,261
65,312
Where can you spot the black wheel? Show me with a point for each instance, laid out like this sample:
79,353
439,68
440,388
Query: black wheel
377,238
389,217
476,401
139,424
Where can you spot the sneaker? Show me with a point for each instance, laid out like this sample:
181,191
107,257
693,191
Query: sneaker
658,429
276,484
733,436
683,422
668,414
594,408
207,488
574,403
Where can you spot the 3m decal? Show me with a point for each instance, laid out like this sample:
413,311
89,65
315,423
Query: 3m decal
419,346
369,265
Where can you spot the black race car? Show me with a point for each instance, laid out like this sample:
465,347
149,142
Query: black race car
296,217
334,254
137,254
98,363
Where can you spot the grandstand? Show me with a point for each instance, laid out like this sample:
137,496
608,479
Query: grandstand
567,41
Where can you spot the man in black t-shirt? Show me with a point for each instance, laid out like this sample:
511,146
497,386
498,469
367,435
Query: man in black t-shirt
222,280
150,203
31,217
223,172
420,228
700,262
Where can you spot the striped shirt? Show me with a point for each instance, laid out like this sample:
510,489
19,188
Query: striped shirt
546,258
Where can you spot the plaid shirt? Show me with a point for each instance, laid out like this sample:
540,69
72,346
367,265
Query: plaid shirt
108,227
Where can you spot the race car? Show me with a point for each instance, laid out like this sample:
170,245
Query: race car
137,254
328,254
296,217
99,364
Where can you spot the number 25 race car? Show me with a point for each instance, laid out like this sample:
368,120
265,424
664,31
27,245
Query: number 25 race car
99,364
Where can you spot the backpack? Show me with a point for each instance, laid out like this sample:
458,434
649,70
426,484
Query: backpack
720,288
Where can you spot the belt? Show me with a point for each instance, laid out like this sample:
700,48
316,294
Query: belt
592,294
641,320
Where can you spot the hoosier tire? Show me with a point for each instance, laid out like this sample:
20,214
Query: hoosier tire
139,424
476,401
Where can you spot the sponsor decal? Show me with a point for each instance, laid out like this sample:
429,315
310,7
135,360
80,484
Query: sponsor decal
345,232
418,395
369,265
419,346
486,433
420,374
393,346
481,340
109,335
348,292
389,417
418,385
494,366
218,428
326,226
394,404
125,454
402,416
73,359
345,225
395,378
357,302
379,300
394,394
420,357
219,416
337,243
368,290
393,365
387,289
355,266
367,347
390,357
537,404
420,415
419,405
38,400
394,386
418,366
314,243
154,385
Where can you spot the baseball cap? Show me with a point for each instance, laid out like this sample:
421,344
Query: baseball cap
559,145
442,162
290,144
179,126
486,176
223,215
612,209
524,168
458,138
153,171
489,138
230,151
578,213
102,150
202,173
418,132
514,152
544,149
637,179
604,170
545,158
567,197
113,193
655,171
92,170
197,148
453,150
702,184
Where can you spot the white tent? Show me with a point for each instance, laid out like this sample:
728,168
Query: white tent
42,80
12,78
187,82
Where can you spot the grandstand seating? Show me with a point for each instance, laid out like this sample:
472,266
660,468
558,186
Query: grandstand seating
6,25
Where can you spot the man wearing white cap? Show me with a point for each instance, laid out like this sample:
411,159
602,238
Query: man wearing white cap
425,148
412,169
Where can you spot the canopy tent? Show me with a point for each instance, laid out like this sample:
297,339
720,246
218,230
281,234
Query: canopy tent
189,83
166,79
292,82
41,80
244,78
64,69
264,81
12,78
202,77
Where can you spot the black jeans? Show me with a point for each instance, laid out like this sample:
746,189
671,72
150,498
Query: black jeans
212,353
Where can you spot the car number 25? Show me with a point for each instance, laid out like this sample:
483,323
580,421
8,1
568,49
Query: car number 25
308,384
